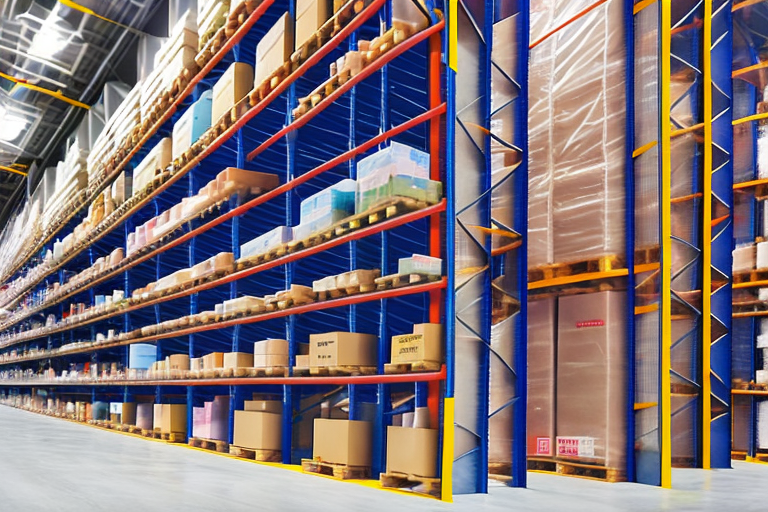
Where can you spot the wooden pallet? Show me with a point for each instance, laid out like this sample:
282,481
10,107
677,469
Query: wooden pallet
300,371
646,255
588,266
750,276
336,293
339,471
152,434
257,455
577,469
420,484
738,455
590,286
342,370
412,367
172,437
213,445
400,280
269,371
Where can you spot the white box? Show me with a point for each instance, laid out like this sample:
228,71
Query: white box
762,255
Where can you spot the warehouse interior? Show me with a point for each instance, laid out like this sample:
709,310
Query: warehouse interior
447,253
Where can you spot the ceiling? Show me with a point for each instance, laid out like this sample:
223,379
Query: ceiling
56,46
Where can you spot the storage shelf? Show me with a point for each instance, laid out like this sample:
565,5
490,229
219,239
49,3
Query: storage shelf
253,203
247,381
365,73
324,50
297,310
354,235
750,392
215,60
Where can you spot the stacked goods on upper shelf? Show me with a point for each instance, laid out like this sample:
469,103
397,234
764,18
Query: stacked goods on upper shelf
211,16
274,49
323,209
176,56
117,128
192,125
396,171
576,136
233,85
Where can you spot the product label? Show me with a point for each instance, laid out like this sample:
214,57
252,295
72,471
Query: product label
590,323
576,446
543,446
407,347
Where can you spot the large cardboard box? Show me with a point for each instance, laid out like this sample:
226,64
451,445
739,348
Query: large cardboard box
310,16
269,361
157,417
274,49
258,430
128,413
213,360
425,344
270,347
542,332
412,451
238,360
179,362
273,406
343,441
592,378
234,84
342,349
174,419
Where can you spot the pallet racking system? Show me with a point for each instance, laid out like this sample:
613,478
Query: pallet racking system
405,96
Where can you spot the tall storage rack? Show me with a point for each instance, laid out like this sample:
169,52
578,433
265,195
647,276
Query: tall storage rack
749,79
490,113
405,95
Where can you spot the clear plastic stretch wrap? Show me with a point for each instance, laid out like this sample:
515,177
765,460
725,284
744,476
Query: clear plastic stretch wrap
576,132
541,377
592,378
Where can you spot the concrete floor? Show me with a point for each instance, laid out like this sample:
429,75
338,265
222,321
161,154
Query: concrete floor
50,464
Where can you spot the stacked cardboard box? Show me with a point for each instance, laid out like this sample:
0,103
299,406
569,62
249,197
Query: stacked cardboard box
234,84
270,353
342,349
576,133
342,441
259,426
276,47
425,344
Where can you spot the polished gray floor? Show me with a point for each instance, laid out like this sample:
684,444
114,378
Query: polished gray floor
50,464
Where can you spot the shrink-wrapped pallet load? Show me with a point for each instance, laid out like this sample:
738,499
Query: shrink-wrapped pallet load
576,132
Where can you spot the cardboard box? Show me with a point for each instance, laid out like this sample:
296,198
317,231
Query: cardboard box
174,418
343,441
273,406
310,16
591,378
412,451
238,360
179,362
274,49
270,347
342,348
192,124
271,360
258,430
302,361
157,417
213,360
424,345
234,84
128,413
